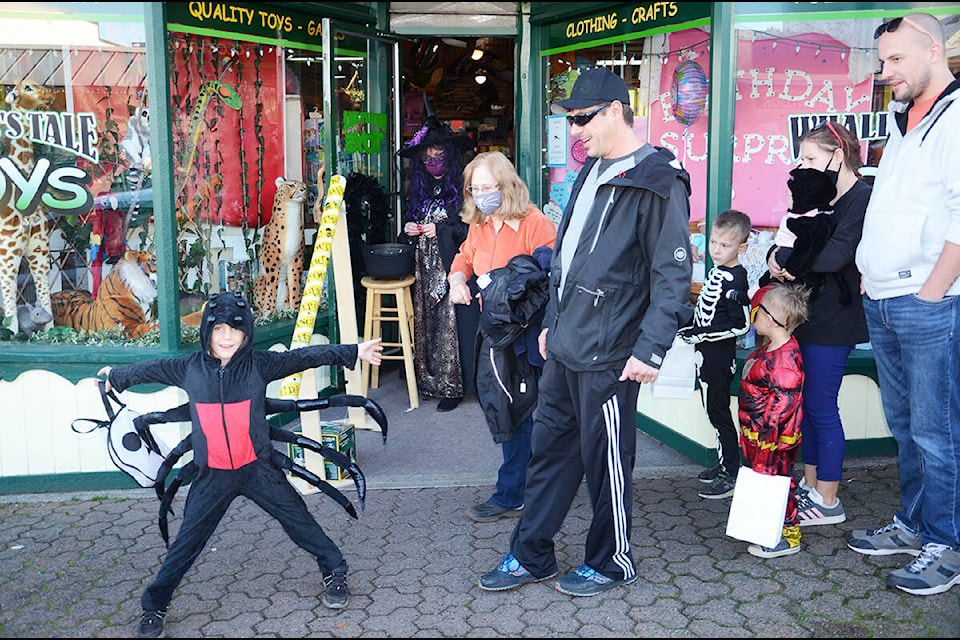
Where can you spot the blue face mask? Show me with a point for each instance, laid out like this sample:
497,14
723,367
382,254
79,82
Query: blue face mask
488,202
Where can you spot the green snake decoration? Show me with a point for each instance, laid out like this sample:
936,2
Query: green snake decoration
229,96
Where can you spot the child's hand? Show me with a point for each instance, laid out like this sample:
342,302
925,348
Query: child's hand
370,351
105,372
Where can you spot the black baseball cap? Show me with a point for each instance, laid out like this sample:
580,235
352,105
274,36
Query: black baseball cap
593,87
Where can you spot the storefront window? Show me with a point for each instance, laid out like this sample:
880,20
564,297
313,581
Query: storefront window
791,76
228,149
75,170
649,66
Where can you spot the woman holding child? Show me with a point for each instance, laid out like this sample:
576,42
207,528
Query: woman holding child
836,324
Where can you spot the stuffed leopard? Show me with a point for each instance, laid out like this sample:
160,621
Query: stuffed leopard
278,287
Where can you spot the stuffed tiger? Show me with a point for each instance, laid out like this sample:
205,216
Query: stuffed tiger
123,300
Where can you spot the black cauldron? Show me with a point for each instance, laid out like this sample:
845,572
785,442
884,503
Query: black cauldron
389,261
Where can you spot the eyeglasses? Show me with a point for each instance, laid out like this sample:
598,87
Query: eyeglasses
893,25
477,189
753,315
427,156
581,119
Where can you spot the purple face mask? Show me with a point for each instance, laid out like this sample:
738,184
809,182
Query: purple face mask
435,166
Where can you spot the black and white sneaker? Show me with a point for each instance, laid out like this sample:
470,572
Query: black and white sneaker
151,624
336,593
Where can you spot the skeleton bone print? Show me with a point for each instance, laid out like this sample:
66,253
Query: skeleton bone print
722,309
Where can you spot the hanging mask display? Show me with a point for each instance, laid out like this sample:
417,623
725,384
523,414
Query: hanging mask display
812,189
488,202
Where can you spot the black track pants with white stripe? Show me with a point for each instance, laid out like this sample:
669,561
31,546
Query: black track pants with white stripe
585,425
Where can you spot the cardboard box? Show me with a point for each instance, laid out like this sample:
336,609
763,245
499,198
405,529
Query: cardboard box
339,437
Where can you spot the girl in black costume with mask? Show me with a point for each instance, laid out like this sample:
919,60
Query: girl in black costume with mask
822,258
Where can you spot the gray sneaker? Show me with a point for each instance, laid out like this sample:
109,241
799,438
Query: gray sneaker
885,541
810,512
707,475
489,512
935,570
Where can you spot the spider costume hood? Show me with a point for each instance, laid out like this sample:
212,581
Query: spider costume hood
230,308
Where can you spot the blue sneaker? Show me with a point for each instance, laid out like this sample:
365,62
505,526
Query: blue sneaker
584,581
509,575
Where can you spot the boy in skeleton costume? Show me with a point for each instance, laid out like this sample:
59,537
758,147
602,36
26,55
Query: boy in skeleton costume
722,313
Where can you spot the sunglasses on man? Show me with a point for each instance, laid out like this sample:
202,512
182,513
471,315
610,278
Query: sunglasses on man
893,25
581,119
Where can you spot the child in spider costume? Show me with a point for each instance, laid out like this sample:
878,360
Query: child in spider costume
771,407
722,314
226,383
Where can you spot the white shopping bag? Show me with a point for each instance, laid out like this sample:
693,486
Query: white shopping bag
678,373
758,507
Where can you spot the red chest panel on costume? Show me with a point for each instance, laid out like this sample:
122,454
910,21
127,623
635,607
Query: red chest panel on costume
227,430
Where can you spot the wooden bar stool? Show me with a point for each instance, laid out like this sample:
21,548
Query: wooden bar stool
402,314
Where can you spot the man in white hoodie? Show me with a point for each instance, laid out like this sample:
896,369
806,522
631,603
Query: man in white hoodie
909,256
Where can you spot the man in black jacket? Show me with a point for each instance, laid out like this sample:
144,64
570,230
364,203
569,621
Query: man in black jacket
620,290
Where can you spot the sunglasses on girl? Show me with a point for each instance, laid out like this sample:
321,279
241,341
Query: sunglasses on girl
827,124
581,119
893,25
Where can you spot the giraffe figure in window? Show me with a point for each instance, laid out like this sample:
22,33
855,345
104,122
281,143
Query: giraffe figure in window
24,236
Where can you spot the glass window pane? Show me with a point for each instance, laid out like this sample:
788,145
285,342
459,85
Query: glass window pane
75,170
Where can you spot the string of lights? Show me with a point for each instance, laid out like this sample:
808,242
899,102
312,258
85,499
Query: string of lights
690,51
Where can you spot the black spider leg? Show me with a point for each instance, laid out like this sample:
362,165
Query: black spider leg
142,424
178,451
328,453
185,476
276,405
285,463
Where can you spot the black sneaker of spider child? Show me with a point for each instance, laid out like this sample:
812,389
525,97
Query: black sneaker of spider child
151,624
336,593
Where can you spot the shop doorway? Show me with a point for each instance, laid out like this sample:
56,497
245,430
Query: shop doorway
469,82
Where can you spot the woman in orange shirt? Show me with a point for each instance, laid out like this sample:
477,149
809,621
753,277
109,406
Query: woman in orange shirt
503,224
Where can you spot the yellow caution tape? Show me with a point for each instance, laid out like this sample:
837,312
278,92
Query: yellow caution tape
313,291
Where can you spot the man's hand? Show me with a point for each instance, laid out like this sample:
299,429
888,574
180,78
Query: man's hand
638,371
542,343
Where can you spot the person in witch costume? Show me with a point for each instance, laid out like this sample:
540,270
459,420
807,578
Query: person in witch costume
443,335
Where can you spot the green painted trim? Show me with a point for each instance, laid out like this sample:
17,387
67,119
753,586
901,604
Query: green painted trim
245,37
61,482
76,363
670,28
871,447
862,448
873,10
165,223
720,116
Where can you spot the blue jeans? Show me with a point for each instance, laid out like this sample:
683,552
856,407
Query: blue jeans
512,476
824,443
916,343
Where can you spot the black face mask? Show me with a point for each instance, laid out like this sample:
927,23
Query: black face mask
812,189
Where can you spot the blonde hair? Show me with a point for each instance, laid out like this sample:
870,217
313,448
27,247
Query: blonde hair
516,196
790,303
